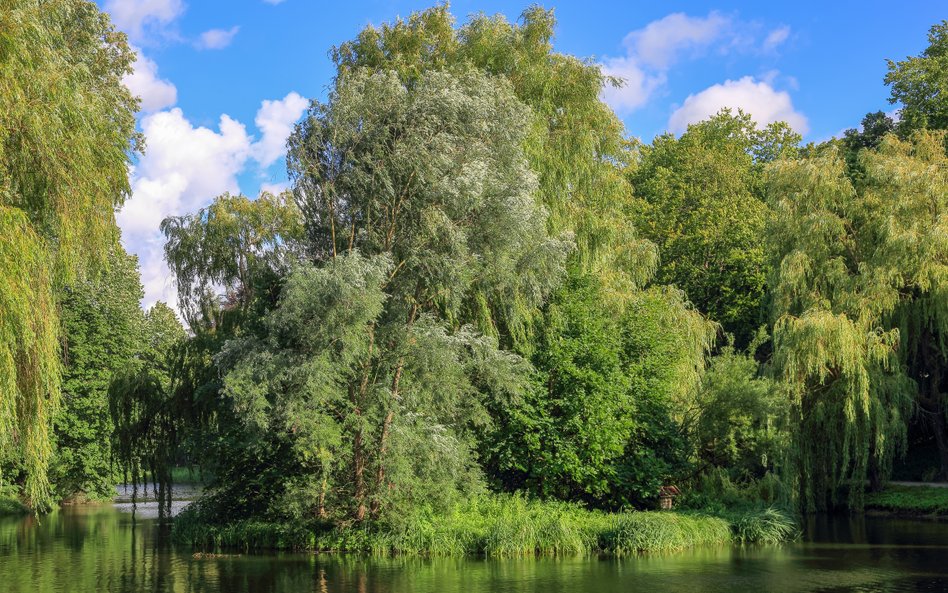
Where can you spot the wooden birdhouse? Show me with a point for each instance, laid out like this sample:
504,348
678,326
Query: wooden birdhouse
666,497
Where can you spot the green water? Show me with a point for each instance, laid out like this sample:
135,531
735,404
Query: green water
100,549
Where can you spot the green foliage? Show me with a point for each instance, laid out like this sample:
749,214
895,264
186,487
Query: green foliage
765,526
103,330
606,422
63,170
145,408
741,423
910,500
632,533
575,144
417,207
236,243
920,84
498,527
859,306
564,438
698,199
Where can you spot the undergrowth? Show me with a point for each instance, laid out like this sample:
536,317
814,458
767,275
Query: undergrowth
500,527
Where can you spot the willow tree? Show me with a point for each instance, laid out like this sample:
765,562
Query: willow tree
859,305
419,213
575,143
235,243
67,130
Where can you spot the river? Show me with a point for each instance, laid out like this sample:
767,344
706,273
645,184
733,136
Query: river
99,548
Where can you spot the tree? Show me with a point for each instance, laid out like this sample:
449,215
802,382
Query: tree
563,439
608,418
920,84
102,327
419,221
63,171
575,143
859,295
698,198
146,407
238,243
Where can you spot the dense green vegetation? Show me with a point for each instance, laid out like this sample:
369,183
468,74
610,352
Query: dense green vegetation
482,320
503,527
910,500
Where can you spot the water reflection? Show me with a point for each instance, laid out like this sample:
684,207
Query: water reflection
100,548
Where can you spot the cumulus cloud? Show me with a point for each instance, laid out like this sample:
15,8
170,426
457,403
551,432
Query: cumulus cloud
182,170
156,93
139,17
659,44
275,120
757,98
185,167
651,52
217,38
776,37
275,188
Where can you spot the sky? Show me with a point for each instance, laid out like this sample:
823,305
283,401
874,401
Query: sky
222,83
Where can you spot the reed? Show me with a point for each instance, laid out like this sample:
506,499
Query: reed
501,527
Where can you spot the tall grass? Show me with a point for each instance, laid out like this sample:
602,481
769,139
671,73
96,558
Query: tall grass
500,527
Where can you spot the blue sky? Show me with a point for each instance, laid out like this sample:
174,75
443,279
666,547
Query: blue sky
222,83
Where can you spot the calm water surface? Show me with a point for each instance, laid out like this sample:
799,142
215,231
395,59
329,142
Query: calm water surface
101,549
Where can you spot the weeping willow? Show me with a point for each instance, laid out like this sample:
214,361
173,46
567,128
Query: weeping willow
67,131
860,294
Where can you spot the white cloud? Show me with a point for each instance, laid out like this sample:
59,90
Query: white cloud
185,167
275,188
217,38
275,120
138,17
660,42
156,93
636,87
757,98
652,50
776,37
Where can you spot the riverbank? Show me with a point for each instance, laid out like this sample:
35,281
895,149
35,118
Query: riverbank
500,527
11,505
909,501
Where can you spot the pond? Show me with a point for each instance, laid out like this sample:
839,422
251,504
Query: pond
101,549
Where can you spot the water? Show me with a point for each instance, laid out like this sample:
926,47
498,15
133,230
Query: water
100,549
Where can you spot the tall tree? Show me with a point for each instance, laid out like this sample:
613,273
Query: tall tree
859,307
698,197
575,143
102,330
67,129
419,217
920,84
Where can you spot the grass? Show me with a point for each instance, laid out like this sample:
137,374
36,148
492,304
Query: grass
11,505
910,500
501,527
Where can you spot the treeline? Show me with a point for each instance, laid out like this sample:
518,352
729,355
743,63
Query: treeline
477,283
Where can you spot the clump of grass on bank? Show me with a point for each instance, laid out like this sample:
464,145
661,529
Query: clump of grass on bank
11,505
500,527
910,500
